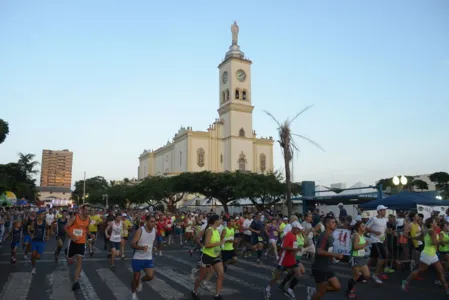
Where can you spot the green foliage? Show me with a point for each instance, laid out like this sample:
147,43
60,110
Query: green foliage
17,177
4,130
442,182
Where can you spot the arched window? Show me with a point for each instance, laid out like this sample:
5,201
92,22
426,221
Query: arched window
223,95
227,95
242,132
244,95
242,162
200,157
237,94
263,163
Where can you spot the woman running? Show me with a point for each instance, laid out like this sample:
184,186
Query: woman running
210,257
428,256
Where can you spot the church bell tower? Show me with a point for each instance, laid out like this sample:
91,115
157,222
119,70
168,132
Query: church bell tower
235,107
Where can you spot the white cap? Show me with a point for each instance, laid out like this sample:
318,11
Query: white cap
381,207
124,215
297,225
358,218
285,218
340,204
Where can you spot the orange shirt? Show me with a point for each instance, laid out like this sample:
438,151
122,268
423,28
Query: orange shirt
79,229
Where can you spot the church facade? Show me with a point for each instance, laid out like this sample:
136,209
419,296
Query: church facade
230,143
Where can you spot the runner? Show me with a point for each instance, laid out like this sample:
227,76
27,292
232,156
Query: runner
257,227
377,227
16,236
77,228
210,257
428,257
26,236
115,238
325,278
228,253
60,232
39,235
142,243
360,270
127,226
95,221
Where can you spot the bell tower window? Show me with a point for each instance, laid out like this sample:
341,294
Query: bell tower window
237,94
227,95
242,162
242,132
223,95
244,95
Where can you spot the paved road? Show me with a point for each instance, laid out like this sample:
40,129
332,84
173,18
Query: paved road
242,282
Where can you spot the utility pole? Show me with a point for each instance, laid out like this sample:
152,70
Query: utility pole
84,187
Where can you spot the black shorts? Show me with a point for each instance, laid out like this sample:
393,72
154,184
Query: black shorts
75,249
419,248
322,276
125,238
378,251
60,237
286,268
256,240
247,238
228,254
206,260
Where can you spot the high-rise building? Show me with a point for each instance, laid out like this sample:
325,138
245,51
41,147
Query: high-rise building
56,168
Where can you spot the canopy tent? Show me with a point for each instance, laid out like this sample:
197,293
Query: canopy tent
402,200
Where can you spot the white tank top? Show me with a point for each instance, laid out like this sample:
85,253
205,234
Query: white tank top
116,235
146,239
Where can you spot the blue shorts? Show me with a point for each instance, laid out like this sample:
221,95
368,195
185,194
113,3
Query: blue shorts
115,245
141,264
26,239
14,245
160,239
37,246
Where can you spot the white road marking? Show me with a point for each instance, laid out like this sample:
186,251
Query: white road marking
61,286
87,289
17,286
118,289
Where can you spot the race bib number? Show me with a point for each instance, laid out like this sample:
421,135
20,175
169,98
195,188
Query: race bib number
162,233
260,239
77,232
116,237
382,238
361,252
276,233
92,222
295,244
217,250
125,232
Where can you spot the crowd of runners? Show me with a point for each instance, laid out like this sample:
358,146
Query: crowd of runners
223,239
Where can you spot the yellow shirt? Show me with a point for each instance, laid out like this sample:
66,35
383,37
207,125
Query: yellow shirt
414,231
126,226
94,222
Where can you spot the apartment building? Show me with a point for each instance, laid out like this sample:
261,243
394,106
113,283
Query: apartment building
56,168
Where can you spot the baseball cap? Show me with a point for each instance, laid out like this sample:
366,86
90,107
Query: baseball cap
297,225
381,207
124,215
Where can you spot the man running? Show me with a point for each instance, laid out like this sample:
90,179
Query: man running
77,228
26,236
60,233
142,243
325,278
38,233
115,237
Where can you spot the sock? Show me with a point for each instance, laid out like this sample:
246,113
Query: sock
351,284
286,279
293,283
259,253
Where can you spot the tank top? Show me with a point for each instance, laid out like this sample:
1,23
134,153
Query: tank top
79,229
229,236
215,238
146,239
16,235
60,227
39,231
116,234
299,243
360,252
27,224
445,247
429,247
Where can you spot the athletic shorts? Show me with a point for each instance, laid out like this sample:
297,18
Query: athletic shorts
26,239
427,259
14,245
247,238
115,245
322,276
378,251
286,268
256,240
75,249
94,234
357,261
125,238
160,239
38,246
228,254
62,238
206,260
141,264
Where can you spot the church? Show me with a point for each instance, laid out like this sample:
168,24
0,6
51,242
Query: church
230,143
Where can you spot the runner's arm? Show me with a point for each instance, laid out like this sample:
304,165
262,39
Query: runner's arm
135,240
207,243
107,229
66,227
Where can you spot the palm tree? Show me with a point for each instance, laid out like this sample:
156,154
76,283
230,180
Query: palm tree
27,164
288,147
4,130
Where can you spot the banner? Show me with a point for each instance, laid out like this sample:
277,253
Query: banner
342,242
427,210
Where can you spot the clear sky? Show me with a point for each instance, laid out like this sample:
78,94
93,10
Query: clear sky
108,79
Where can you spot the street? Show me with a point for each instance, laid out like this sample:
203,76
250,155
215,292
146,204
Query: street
173,280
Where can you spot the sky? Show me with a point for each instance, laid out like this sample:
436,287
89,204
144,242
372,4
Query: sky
108,79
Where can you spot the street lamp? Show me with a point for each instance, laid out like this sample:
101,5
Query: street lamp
439,197
400,181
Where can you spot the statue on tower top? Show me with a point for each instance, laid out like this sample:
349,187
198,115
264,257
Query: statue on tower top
235,33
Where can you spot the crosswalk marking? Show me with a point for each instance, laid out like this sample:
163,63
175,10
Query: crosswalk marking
118,289
87,289
60,282
180,279
166,291
17,286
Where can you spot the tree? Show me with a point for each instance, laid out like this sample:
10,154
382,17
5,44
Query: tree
288,147
442,182
27,164
420,184
4,130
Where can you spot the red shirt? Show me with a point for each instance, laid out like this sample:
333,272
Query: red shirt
288,258
168,224
160,228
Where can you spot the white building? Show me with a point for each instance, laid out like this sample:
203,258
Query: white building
230,143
